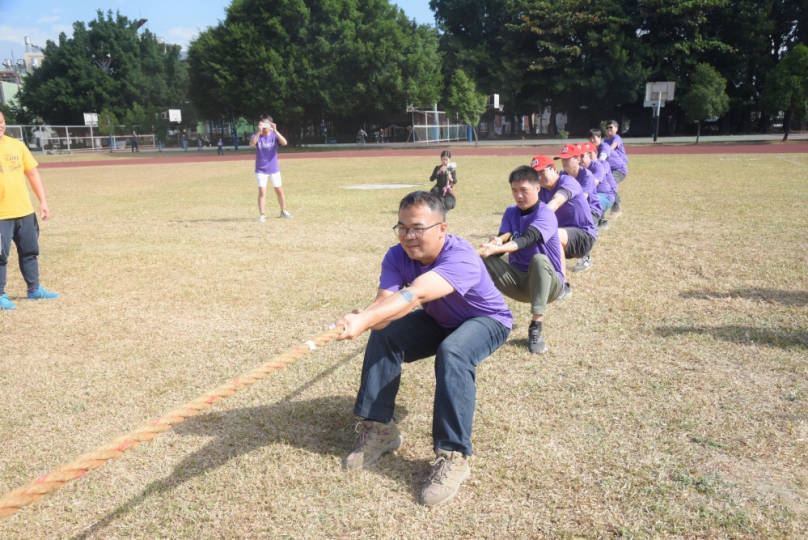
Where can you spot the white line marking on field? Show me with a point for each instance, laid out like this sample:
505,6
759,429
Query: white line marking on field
792,161
380,186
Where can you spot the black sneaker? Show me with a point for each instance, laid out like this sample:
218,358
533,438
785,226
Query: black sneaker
535,343
584,264
603,224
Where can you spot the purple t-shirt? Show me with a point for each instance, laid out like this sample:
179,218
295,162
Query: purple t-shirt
542,219
575,212
606,153
621,150
587,182
266,154
598,170
458,263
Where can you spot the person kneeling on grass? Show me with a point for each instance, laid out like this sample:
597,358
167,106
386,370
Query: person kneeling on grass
571,162
606,187
533,272
564,196
464,319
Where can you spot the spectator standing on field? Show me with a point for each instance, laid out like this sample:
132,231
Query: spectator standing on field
134,143
17,217
220,147
265,141
184,141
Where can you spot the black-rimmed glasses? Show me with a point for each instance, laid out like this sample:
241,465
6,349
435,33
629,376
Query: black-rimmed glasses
417,232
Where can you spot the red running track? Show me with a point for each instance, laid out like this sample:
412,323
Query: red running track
792,148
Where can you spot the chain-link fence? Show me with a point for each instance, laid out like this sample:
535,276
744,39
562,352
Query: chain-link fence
67,139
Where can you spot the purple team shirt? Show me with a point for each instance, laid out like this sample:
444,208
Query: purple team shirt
542,219
575,212
266,154
621,150
605,182
587,181
607,153
458,263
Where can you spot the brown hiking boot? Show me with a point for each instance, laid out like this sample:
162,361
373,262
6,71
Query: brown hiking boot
374,440
449,470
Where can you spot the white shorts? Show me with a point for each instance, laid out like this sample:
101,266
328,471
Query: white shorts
263,178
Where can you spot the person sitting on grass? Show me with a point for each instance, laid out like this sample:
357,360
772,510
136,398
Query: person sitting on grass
17,216
533,273
445,178
571,162
617,166
464,320
564,196
606,187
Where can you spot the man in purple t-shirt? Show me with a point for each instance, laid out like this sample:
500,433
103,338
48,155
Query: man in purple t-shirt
606,187
564,195
464,319
570,157
533,272
617,164
265,141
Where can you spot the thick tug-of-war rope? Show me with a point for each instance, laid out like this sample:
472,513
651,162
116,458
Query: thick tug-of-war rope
49,483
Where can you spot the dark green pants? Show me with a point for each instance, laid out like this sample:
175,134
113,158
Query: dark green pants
539,286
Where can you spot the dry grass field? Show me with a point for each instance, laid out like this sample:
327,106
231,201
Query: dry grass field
673,402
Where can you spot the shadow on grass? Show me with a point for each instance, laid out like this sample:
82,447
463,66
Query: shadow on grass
322,425
784,339
787,298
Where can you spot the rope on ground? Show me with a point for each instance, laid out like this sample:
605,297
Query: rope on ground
49,483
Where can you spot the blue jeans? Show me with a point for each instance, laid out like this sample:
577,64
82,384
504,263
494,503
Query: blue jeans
24,232
605,203
457,352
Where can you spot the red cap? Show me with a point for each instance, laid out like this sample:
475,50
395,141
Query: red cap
541,162
571,150
589,147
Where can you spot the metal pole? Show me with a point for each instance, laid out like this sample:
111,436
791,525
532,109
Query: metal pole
67,136
41,144
92,139
656,115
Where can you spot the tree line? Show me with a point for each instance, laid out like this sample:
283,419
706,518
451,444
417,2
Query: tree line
344,63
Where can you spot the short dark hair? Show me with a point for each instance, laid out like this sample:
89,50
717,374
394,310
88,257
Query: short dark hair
446,153
613,123
266,117
522,173
595,132
424,198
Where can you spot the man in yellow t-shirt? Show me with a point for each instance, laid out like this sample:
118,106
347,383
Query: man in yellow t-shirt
17,217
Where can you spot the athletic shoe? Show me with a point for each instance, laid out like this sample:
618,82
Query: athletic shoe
375,439
285,214
449,470
535,343
584,264
42,294
566,292
5,303
262,218
603,225
615,215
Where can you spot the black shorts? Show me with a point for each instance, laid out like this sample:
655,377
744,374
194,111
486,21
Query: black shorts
618,176
579,243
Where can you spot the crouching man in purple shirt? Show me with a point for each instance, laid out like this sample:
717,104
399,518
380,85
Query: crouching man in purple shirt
533,272
464,319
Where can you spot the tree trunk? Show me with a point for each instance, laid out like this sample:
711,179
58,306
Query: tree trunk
530,124
552,129
476,139
698,130
786,125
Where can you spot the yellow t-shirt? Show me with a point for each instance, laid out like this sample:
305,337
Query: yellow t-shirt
15,160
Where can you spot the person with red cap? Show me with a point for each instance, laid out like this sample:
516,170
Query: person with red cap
534,272
570,157
564,196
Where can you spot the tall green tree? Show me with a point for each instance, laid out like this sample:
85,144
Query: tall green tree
707,96
74,79
308,60
786,88
463,98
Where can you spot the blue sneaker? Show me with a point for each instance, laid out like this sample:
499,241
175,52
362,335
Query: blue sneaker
5,303
42,294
